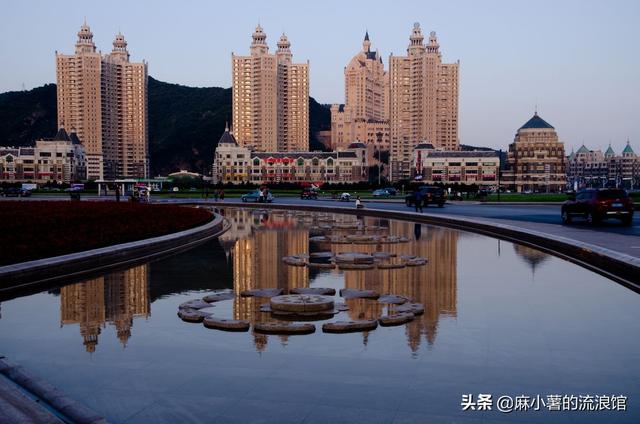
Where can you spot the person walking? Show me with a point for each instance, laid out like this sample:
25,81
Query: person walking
117,193
359,204
261,197
418,200
215,195
221,195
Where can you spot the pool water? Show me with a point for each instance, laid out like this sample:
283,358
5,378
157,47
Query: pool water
501,319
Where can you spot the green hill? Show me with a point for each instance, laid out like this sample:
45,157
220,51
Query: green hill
27,115
185,123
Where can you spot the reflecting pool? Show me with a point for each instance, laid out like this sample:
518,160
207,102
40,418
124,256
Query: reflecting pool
500,319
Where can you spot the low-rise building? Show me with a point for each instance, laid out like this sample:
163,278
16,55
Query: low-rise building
536,160
455,166
236,165
60,159
592,168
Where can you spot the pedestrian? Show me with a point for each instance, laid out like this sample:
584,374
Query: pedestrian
117,193
359,204
418,200
221,195
215,195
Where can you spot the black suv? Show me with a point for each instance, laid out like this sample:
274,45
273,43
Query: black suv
594,205
429,194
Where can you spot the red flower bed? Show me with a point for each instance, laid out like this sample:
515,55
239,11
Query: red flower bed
33,230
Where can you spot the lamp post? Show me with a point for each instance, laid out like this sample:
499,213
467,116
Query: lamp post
379,139
499,168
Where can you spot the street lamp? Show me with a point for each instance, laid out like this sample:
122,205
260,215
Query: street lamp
499,171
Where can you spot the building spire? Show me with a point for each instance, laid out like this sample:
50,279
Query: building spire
120,51
85,40
416,39
433,45
259,41
284,44
366,43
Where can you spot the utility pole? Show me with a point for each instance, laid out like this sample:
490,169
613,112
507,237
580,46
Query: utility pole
499,169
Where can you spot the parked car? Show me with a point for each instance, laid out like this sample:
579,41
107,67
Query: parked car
381,192
430,195
16,192
345,197
309,193
595,205
254,196
392,191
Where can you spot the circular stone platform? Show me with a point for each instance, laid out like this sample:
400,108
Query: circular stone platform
262,293
350,326
393,299
219,296
192,315
226,324
301,303
195,304
285,328
323,291
414,308
396,319
354,258
359,294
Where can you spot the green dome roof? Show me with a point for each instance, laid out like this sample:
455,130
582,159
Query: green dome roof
609,151
628,149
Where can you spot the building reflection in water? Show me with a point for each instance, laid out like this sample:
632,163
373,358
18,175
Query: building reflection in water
254,247
532,257
116,298
256,244
433,285
258,241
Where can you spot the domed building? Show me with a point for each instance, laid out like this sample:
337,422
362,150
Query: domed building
536,160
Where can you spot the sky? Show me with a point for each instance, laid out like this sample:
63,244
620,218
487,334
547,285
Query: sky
577,61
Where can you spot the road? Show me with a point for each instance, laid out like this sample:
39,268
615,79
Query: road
544,214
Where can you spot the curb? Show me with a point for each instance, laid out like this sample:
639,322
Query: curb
617,266
32,273
58,401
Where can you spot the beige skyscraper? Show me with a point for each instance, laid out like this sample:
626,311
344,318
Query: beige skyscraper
104,99
80,98
270,97
423,101
365,115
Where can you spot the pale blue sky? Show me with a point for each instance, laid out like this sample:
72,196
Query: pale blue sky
579,61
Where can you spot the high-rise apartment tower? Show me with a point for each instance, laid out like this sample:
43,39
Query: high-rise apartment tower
270,100
423,101
364,117
103,98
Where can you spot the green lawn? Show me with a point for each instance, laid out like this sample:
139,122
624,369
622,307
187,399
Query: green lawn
540,197
536,197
